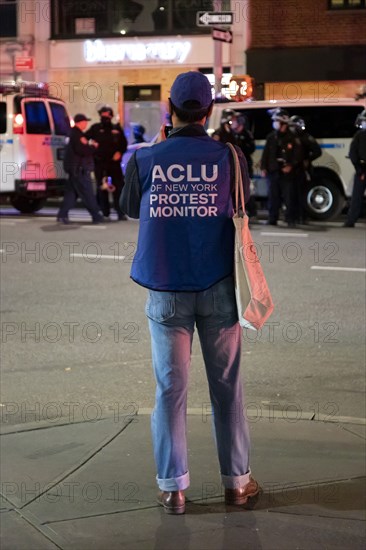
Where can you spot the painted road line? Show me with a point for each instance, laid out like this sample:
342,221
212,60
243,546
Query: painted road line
7,223
12,221
93,226
328,268
53,218
275,234
99,257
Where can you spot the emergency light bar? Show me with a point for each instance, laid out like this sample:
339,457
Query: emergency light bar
39,89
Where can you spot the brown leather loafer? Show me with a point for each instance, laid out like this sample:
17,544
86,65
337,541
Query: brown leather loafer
174,502
240,496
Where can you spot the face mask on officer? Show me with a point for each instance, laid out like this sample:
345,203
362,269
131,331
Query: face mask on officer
363,125
276,125
106,120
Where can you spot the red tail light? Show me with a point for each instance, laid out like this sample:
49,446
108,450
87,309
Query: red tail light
18,124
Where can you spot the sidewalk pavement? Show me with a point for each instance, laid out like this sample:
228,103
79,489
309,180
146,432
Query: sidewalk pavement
91,486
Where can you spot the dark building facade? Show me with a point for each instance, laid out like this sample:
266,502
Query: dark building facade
307,40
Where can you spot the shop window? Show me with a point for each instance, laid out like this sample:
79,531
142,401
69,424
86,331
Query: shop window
141,93
8,18
84,25
103,18
346,4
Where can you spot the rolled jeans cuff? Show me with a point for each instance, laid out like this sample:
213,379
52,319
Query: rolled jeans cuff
234,482
174,483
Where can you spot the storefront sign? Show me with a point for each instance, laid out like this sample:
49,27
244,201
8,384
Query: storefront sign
135,53
98,51
24,63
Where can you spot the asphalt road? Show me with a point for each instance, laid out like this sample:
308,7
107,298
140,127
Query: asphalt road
75,343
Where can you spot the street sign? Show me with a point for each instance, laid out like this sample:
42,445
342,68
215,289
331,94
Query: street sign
212,18
223,36
24,63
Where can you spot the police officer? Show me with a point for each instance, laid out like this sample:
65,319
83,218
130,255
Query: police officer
181,189
224,133
78,163
244,139
357,154
112,144
280,162
138,133
311,151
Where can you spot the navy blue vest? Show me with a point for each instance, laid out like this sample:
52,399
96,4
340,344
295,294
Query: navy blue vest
186,237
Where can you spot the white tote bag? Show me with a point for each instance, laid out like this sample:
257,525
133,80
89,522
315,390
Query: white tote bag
253,298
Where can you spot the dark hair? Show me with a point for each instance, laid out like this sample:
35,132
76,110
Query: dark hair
190,115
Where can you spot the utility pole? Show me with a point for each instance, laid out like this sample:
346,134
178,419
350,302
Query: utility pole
218,55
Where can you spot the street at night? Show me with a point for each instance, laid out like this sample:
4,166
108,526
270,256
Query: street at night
182,274
74,328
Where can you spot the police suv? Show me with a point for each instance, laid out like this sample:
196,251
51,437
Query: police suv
34,129
331,122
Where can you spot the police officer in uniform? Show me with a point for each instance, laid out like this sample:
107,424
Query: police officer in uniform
232,131
181,189
224,133
138,133
357,154
311,151
79,163
112,144
244,139
281,160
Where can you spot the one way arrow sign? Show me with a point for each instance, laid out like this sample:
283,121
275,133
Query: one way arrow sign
223,36
212,18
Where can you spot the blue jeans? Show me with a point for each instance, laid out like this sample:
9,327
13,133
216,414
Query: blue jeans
172,317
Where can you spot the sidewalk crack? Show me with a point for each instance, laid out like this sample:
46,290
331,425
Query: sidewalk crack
289,513
79,466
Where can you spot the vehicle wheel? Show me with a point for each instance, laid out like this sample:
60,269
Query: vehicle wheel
324,200
27,205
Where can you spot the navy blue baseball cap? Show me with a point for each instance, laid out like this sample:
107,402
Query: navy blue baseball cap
191,87
80,117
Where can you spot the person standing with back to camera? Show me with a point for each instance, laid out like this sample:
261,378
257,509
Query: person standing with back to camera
112,144
181,189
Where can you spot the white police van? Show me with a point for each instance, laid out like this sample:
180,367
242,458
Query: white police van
34,129
332,123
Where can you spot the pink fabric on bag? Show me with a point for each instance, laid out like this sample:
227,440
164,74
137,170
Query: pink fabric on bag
253,296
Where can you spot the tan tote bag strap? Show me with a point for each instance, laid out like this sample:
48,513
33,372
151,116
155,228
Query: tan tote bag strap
238,181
